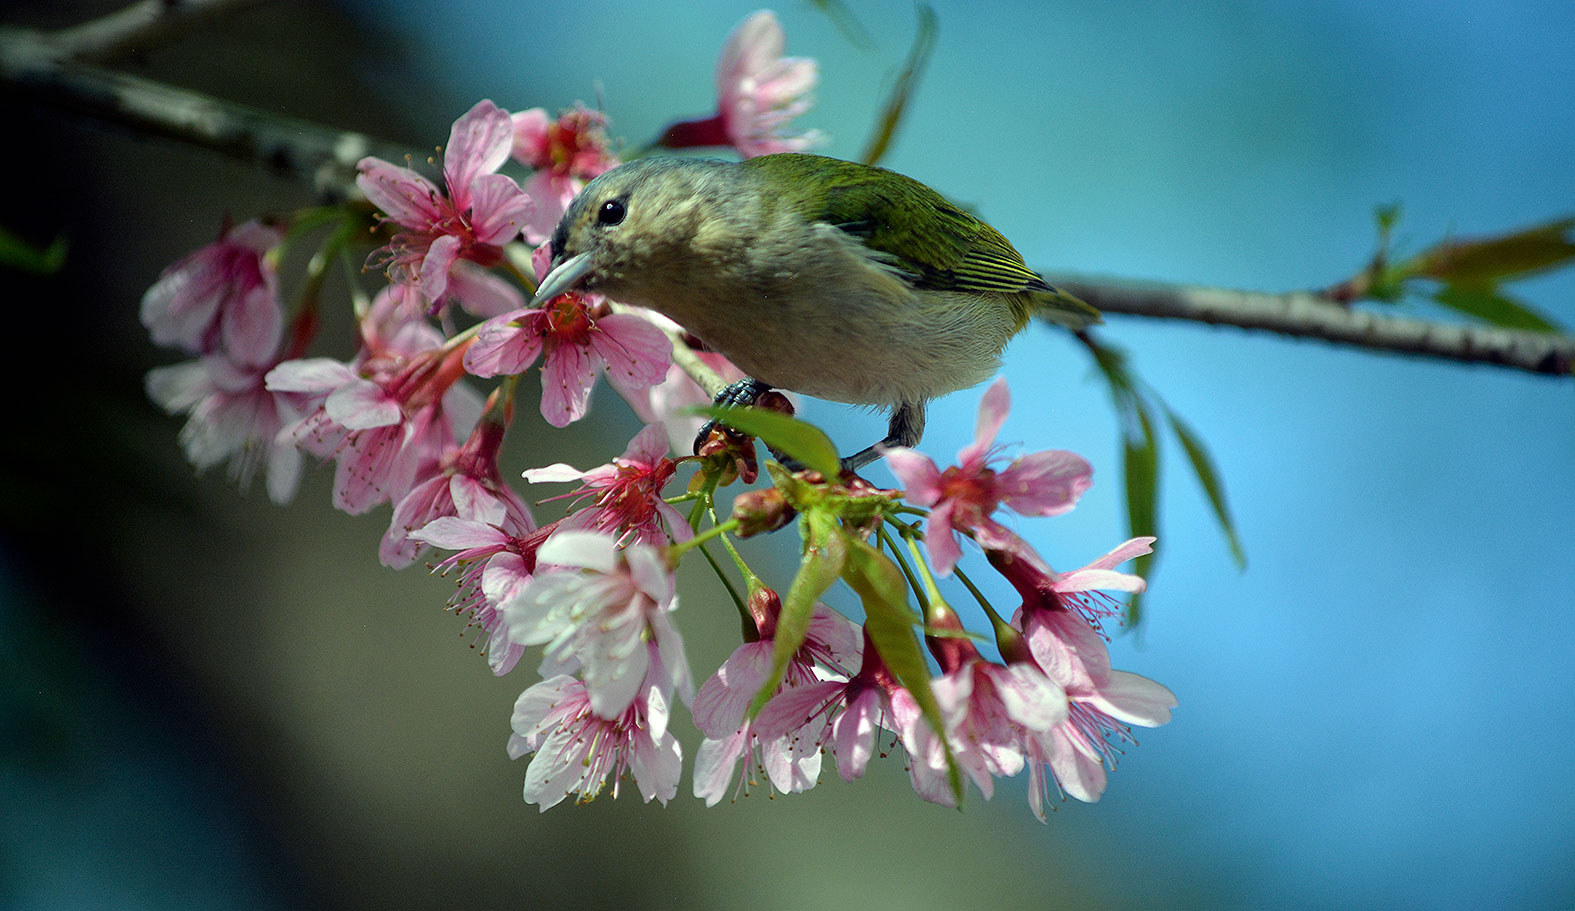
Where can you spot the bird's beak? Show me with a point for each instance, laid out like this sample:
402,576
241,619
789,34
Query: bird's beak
563,277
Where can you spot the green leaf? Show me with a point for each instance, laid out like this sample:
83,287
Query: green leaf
788,435
1486,304
1387,216
903,88
1140,469
1203,466
1486,261
18,253
825,554
845,21
890,622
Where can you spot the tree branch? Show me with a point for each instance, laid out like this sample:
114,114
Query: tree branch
1310,314
35,68
323,158
137,26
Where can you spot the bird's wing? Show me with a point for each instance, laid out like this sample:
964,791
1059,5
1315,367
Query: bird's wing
941,246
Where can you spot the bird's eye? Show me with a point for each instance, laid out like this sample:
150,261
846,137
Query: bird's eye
611,212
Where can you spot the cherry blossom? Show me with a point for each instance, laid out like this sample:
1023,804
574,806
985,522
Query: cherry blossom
576,747
625,494
384,429
480,211
467,484
495,562
222,299
597,606
564,154
758,92
962,498
575,336
233,417
791,762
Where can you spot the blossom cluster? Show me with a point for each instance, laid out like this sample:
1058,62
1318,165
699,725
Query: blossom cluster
595,590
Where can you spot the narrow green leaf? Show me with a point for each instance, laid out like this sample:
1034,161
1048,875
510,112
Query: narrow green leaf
1387,216
1486,304
907,81
1208,476
845,21
789,435
1140,468
22,255
825,554
1488,260
890,622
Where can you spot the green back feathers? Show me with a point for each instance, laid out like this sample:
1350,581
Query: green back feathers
939,245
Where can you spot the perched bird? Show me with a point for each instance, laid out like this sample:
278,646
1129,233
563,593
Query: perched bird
839,280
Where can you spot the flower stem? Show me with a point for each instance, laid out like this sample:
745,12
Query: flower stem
907,571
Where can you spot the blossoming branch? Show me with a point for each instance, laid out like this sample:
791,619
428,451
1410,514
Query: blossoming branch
416,417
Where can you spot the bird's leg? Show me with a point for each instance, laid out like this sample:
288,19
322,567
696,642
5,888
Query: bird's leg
905,429
740,393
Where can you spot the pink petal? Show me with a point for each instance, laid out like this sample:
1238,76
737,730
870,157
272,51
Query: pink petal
941,540
499,209
1068,649
480,292
555,473
993,408
504,349
1089,580
551,192
400,193
790,709
854,733
583,549
478,143
566,382
715,761
1135,700
361,405
472,500
723,699
178,387
754,44
441,256
1079,775
920,478
530,136
252,326
1045,483
1030,698
648,447
638,352
1123,552
319,375
453,533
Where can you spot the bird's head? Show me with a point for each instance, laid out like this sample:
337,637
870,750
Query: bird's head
631,228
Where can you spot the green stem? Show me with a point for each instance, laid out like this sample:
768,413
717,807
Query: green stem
974,590
907,571
675,551
743,609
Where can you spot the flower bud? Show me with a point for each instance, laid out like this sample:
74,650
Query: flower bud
760,511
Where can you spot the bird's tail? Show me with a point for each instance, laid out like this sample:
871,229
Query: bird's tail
1062,307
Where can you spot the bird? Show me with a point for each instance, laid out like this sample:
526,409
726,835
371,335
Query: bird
836,279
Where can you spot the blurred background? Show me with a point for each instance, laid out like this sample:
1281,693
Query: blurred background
207,701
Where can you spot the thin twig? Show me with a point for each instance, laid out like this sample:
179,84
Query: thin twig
323,158
1309,314
138,27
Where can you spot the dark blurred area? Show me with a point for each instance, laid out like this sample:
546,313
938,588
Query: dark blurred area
210,701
